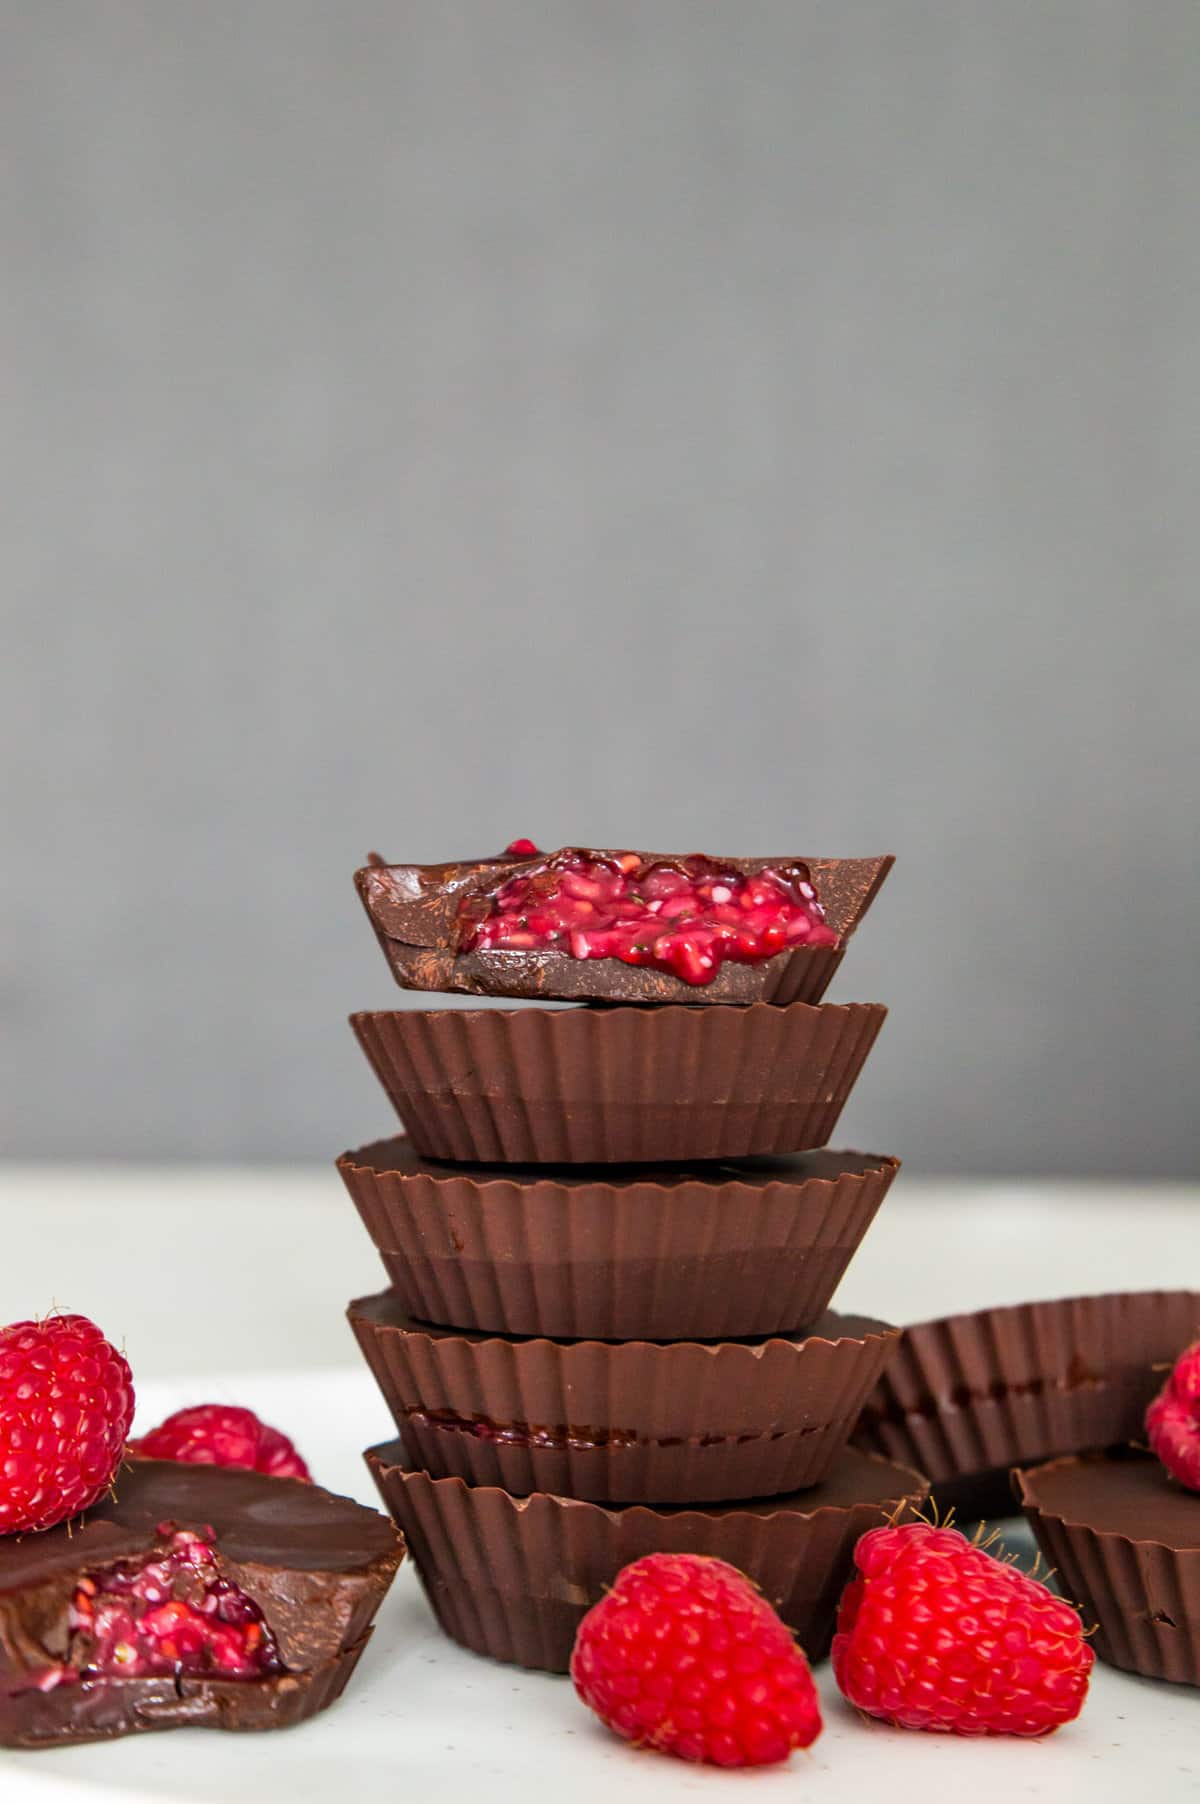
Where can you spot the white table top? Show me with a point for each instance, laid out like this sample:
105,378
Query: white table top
230,1284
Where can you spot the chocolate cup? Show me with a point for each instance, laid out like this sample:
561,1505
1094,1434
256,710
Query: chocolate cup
618,1086
1124,1540
974,1395
414,911
719,1253
317,1565
625,1422
512,1577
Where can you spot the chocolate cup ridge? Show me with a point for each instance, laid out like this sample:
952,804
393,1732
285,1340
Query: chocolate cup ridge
721,1252
970,1396
513,1577
317,1565
1124,1540
623,1422
618,1086
414,911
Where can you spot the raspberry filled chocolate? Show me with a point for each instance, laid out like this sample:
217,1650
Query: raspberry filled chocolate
620,926
196,1596
686,916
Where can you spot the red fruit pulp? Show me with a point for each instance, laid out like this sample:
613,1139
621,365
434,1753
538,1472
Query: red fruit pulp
687,916
173,1613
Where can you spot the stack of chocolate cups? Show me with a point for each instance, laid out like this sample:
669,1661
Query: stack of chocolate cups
611,1238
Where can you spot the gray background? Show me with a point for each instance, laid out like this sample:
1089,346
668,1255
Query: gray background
743,426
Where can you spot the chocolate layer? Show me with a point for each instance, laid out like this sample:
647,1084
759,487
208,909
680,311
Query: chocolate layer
633,1421
414,910
977,1394
1125,1541
101,1710
512,1577
618,1086
708,1253
316,1565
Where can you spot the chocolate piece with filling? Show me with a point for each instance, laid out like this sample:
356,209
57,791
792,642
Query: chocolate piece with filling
714,1252
586,1086
512,1577
970,1396
630,1421
433,924
1124,1538
197,1596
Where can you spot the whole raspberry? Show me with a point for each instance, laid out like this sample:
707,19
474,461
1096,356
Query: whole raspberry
1173,1420
66,1402
685,1655
936,1634
221,1434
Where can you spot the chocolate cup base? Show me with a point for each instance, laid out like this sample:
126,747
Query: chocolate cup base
103,1709
1124,1539
618,1086
659,1133
803,975
717,1252
512,1578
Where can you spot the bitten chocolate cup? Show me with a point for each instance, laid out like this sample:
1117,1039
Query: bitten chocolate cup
512,1577
414,909
1124,1540
590,1086
313,1565
628,1421
968,1397
714,1253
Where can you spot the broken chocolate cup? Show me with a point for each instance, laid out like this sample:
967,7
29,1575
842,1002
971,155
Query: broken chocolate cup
624,1422
297,1571
710,1253
512,1577
1124,1539
416,911
591,1086
968,1397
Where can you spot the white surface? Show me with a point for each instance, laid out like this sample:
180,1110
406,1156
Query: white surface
422,1720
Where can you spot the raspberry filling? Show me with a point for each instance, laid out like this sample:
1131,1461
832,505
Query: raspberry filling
687,916
568,1437
1077,1377
173,1613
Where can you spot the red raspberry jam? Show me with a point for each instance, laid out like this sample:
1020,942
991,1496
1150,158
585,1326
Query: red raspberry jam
567,1436
682,915
170,1614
